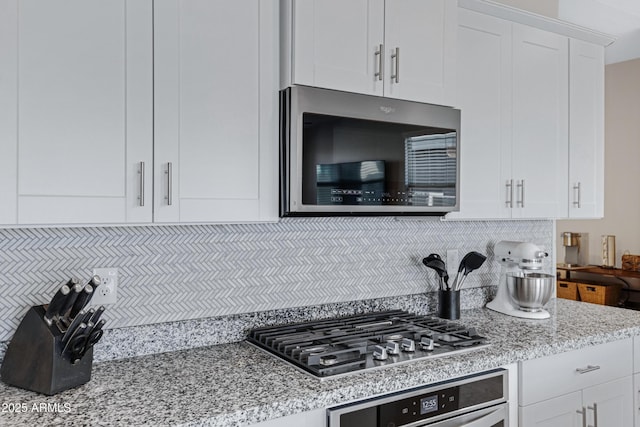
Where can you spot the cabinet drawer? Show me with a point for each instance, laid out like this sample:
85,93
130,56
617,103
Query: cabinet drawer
563,373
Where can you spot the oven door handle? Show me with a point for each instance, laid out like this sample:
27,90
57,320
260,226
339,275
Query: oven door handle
482,418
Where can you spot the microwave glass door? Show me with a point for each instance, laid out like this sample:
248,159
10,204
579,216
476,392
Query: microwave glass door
356,162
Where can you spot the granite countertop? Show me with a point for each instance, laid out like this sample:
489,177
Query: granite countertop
237,384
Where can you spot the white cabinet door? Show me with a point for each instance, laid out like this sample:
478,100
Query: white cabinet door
337,44
561,411
610,404
215,72
420,46
484,97
78,110
586,130
540,123
396,48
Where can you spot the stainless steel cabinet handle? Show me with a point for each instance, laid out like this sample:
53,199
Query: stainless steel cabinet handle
594,408
520,201
576,201
395,57
379,56
583,412
589,368
169,173
509,186
141,184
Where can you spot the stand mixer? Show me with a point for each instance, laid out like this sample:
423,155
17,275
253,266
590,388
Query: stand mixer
516,259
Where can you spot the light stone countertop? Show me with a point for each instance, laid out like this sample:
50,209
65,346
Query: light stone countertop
238,384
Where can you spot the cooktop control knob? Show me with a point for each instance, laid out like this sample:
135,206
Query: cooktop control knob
393,348
380,353
427,344
408,345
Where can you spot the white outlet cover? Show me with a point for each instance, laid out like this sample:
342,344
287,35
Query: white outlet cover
107,291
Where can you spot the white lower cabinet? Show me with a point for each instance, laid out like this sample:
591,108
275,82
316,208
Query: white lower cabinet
591,386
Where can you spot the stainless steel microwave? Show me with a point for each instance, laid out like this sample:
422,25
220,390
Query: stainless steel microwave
351,154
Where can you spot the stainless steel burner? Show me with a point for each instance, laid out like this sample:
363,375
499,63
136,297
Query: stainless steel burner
334,347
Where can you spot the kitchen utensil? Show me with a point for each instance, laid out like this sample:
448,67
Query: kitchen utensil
471,261
449,304
93,337
56,304
82,300
530,292
83,316
434,262
68,303
516,259
76,341
96,315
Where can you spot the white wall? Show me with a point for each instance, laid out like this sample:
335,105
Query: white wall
622,167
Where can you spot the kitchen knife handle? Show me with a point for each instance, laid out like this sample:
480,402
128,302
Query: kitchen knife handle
509,186
379,55
576,202
169,173
71,299
80,318
82,301
395,59
141,184
96,315
56,303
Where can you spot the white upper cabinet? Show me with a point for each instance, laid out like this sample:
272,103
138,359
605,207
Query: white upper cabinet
216,81
76,105
513,93
396,48
484,97
138,111
336,44
586,130
540,122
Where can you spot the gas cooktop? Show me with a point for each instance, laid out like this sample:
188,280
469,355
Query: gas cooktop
343,345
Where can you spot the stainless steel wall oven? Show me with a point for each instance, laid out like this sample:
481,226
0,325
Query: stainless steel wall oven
351,154
478,401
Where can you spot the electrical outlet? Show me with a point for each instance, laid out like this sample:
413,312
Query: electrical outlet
107,291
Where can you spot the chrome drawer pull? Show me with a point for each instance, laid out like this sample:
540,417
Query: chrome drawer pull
589,368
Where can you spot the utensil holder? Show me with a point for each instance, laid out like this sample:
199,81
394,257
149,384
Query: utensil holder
34,359
449,304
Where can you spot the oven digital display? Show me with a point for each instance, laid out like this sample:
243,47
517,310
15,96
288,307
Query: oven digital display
428,404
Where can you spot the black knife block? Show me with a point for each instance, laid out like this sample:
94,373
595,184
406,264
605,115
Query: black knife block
34,359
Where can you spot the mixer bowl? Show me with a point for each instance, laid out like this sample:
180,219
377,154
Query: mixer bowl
530,292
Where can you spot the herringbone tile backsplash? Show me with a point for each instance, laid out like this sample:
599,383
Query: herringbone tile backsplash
170,273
